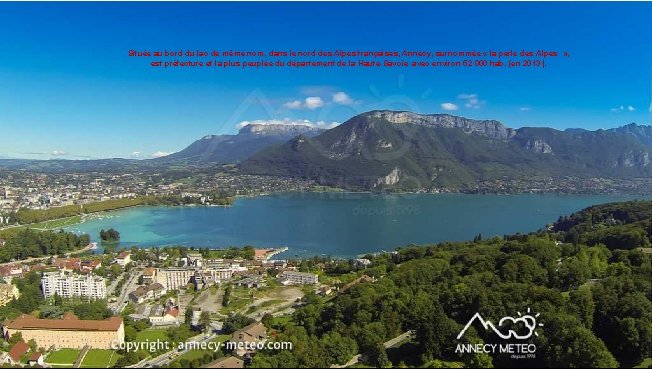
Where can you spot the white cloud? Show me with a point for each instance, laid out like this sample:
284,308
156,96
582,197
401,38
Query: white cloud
288,121
622,108
313,102
471,100
449,106
296,104
524,108
136,155
59,153
342,98
159,154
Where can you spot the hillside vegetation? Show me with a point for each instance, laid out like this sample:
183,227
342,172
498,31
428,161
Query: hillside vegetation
593,300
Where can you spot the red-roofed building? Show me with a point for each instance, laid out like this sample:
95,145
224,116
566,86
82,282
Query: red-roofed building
123,258
68,332
35,359
16,352
67,263
90,265
13,270
261,254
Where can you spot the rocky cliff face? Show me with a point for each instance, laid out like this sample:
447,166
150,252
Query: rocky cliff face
280,129
488,128
538,146
633,159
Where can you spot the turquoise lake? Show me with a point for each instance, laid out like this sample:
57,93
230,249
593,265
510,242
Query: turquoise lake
339,224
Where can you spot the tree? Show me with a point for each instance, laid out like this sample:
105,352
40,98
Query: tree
93,310
339,349
130,333
267,320
523,269
51,312
15,338
110,235
236,322
435,332
572,273
378,357
566,343
32,345
582,305
205,320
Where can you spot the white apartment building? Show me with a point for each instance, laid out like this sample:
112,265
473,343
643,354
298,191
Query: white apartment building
290,277
123,258
175,278
66,285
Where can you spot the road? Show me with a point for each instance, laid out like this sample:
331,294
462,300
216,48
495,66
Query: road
165,359
120,304
388,344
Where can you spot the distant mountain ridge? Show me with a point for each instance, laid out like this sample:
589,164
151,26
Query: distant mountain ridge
234,148
643,133
399,149
413,151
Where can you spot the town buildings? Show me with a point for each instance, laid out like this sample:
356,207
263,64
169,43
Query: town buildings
8,292
149,275
164,315
146,293
123,258
243,342
68,332
67,284
290,277
180,277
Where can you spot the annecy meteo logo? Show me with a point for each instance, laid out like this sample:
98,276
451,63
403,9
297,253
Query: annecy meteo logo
522,327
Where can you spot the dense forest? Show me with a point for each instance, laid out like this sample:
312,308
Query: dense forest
592,292
26,243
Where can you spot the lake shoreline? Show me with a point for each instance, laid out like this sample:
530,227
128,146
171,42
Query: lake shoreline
347,225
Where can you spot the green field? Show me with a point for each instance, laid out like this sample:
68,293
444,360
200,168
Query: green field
56,224
62,357
96,358
151,335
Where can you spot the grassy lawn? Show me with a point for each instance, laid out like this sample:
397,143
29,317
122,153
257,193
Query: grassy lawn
151,335
63,357
282,320
57,223
96,358
240,298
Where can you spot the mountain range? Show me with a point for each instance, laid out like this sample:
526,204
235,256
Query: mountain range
251,138
399,149
404,150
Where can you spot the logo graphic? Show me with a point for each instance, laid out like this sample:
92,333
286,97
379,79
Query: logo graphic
529,321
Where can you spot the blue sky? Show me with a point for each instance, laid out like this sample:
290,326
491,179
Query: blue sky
69,90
